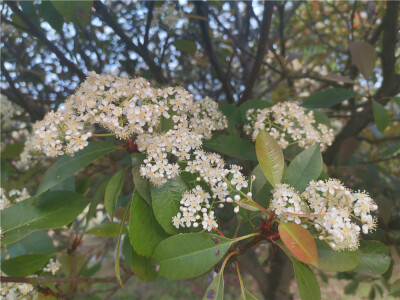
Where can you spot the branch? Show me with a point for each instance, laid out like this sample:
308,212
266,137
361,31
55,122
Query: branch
148,23
261,50
106,17
202,10
34,111
36,31
390,84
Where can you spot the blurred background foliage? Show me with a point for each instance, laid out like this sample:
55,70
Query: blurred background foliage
234,52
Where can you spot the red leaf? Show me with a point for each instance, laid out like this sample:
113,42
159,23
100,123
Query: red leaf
299,242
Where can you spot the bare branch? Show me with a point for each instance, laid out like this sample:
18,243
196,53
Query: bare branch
141,51
261,50
36,31
202,10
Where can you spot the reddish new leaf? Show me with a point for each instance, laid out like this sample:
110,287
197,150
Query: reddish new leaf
299,242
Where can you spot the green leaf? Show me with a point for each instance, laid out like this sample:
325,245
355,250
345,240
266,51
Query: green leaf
24,265
248,296
232,113
381,116
30,11
299,242
12,150
117,252
113,189
395,288
67,166
107,229
328,98
141,184
140,265
51,15
391,150
166,202
304,168
351,287
189,255
270,157
185,46
375,259
77,12
306,281
397,100
336,261
96,199
49,210
37,242
216,289
144,231
231,146
363,56
66,185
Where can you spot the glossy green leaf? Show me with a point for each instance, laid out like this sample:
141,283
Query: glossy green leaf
189,255
304,168
166,202
113,189
363,56
24,265
307,283
67,165
38,242
140,265
261,188
375,259
49,210
233,115
381,116
185,46
328,98
144,231
299,242
231,146
215,291
66,185
77,12
51,15
122,228
330,260
107,229
270,157
141,184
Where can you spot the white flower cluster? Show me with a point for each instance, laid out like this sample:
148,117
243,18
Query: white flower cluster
18,291
125,107
288,123
195,205
169,14
335,211
52,267
194,208
8,109
13,196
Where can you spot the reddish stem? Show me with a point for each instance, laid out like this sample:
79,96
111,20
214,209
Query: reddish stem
277,235
219,232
